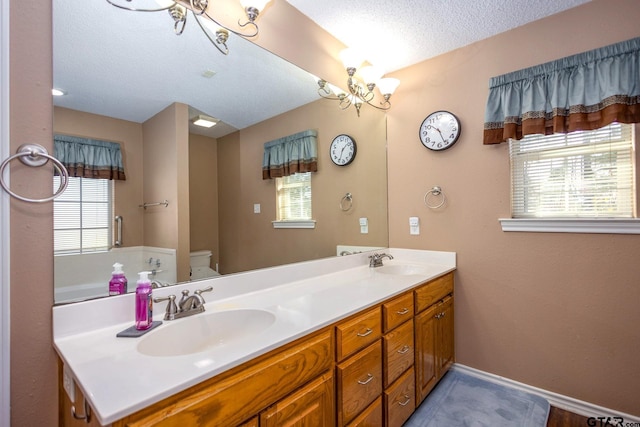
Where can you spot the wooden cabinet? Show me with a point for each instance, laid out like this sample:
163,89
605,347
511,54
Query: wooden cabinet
369,370
434,338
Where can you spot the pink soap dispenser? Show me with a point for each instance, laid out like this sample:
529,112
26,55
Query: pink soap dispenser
118,282
144,302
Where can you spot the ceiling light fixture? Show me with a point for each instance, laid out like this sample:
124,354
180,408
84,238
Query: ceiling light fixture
361,87
57,92
204,121
178,12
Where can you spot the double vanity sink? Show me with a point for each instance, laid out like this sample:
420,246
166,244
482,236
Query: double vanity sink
246,315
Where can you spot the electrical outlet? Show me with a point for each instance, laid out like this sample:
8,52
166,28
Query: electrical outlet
414,225
256,208
68,384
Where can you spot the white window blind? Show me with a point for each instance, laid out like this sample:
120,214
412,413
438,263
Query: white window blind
585,174
81,216
293,194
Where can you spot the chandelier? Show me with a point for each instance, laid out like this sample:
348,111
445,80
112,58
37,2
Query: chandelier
178,12
361,86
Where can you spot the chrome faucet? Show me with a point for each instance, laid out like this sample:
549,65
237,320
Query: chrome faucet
188,305
375,260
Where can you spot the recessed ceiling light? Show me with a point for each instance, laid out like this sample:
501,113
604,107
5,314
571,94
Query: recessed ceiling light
204,121
208,74
58,92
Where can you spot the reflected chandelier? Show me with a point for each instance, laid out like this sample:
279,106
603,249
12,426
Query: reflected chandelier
361,87
178,11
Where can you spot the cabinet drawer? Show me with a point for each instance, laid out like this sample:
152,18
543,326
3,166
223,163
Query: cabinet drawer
359,381
357,333
397,311
399,400
370,417
433,291
398,352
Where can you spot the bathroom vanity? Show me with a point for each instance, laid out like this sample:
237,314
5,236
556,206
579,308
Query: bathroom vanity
358,346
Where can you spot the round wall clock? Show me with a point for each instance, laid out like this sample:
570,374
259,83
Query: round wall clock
342,150
440,130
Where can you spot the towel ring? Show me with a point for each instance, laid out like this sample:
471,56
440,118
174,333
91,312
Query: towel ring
35,155
431,195
346,203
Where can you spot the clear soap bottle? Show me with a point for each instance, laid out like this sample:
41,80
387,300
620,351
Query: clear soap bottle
144,302
118,282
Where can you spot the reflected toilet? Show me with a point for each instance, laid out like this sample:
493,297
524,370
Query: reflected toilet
201,265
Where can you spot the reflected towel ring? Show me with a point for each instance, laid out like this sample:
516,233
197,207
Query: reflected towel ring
35,155
432,194
346,203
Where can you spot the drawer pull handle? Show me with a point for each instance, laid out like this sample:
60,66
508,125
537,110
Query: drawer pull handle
367,381
404,349
406,402
365,333
403,311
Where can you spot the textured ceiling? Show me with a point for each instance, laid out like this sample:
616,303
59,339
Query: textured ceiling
130,65
394,34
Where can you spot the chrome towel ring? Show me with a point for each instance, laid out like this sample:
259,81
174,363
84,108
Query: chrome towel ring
346,203
430,198
35,155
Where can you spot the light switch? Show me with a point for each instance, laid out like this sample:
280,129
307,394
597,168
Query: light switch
256,208
414,225
364,225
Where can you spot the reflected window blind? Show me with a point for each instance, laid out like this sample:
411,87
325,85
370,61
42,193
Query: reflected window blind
584,174
81,216
294,197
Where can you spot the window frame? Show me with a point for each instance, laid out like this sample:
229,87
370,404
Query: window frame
606,225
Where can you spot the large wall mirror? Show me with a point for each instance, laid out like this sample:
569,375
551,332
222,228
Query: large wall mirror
129,79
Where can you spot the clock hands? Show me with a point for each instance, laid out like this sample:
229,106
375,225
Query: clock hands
441,137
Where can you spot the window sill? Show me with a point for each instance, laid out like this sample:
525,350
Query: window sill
571,225
306,223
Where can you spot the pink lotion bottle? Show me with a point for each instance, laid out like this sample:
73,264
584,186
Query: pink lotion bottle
118,282
144,302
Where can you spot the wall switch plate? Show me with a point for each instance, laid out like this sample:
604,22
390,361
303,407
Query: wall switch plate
414,225
256,208
364,225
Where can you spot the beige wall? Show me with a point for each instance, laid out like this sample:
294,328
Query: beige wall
248,240
166,177
557,311
203,195
128,193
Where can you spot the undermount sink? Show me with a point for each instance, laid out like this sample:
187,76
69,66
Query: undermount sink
401,269
204,331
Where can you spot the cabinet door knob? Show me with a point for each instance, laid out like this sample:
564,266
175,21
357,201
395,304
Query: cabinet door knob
367,381
365,333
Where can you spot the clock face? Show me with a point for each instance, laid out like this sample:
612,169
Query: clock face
440,130
342,150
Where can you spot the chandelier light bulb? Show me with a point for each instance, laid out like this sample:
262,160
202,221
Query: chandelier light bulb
388,85
351,58
371,74
257,4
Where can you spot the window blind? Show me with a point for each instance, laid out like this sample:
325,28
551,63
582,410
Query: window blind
584,174
81,216
294,197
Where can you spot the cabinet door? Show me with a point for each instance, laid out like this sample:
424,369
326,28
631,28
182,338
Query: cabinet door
370,417
310,406
445,344
425,348
359,380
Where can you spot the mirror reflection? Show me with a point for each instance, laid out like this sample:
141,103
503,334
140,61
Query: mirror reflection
128,79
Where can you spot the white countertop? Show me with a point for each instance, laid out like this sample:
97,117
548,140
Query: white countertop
118,380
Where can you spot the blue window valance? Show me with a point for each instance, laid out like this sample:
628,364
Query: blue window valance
291,154
89,158
581,92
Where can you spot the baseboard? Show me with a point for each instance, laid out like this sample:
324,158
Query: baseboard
558,400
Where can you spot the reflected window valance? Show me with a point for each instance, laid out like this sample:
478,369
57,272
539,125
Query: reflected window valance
292,154
89,158
581,92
